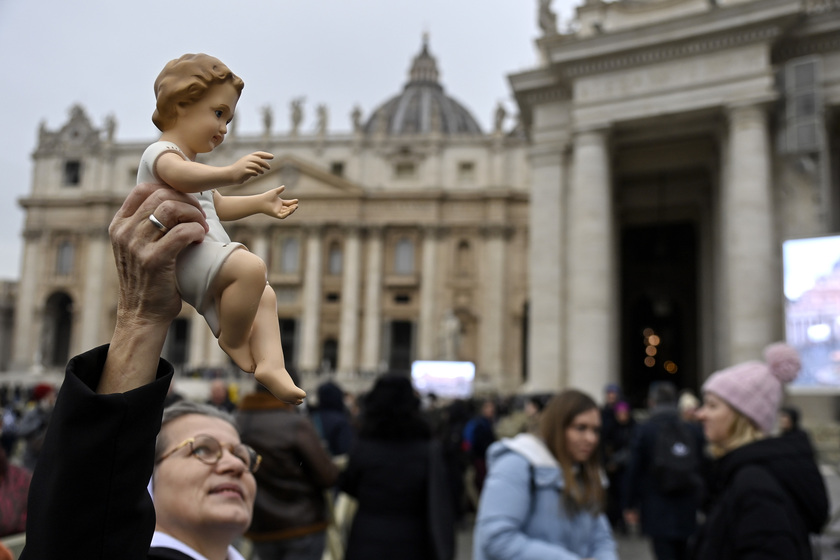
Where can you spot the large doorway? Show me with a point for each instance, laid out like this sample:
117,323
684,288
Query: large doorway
659,307
57,330
400,350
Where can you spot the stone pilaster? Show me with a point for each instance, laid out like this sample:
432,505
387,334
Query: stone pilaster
592,306
98,254
748,244
427,327
371,338
546,273
27,328
350,287
494,305
311,319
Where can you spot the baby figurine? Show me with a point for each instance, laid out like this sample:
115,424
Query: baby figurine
196,99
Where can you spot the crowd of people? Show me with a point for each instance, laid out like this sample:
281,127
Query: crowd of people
118,474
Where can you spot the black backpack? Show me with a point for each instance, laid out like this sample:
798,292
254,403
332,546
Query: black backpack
676,458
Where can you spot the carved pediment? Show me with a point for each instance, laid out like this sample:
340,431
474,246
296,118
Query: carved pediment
77,136
302,179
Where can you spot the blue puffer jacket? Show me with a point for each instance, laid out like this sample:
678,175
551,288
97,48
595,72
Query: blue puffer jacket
521,520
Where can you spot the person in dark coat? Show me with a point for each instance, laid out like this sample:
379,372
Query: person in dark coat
290,511
332,420
616,456
766,493
395,471
667,518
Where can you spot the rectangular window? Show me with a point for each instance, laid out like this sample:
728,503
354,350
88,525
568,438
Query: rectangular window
466,171
337,168
72,173
64,258
404,170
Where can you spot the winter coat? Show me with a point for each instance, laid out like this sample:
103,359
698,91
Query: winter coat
332,420
520,516
295,470
766,498
665,516
405,509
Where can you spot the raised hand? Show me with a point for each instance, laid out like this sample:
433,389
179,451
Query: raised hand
249,166
278,207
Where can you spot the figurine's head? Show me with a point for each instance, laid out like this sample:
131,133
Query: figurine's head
184,81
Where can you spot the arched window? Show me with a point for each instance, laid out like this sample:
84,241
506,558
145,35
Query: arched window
463,258
289,255
335,259
404,256
64,258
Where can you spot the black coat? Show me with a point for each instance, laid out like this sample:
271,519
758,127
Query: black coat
404,504
765,499
662,515
88,497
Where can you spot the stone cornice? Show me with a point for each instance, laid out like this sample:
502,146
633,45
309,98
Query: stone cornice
643,57
712,31
795,48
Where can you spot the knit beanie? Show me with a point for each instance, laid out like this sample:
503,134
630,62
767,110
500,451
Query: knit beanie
755,388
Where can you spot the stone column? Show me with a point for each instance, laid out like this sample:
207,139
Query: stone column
371,337
311,319
27,329
592,302
546,274
350,282
748,244
98,253
261,246
428,326
493,306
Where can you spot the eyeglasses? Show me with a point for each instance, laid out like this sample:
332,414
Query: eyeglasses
208,450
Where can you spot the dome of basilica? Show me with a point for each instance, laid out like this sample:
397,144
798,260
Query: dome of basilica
422,107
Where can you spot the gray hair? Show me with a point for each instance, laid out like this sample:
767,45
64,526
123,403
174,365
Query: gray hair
184,408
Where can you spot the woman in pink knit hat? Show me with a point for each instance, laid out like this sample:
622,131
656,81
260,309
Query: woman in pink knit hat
766,494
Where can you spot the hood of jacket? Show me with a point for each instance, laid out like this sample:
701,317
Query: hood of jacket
791,461
546,468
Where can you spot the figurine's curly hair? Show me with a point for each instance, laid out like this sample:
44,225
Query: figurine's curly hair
184,81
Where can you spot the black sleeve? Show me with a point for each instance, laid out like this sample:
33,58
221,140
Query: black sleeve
88,496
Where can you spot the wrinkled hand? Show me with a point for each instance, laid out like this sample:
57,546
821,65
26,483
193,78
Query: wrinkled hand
250,166
278,207
145,257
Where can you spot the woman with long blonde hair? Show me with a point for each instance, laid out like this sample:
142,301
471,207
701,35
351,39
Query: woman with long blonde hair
766,493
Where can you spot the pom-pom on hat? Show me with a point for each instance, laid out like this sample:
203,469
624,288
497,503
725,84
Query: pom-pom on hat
755,388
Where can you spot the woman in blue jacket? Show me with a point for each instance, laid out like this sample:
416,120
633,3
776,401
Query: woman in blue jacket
543,497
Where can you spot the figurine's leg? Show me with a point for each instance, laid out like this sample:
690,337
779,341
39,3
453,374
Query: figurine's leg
268,352
239,283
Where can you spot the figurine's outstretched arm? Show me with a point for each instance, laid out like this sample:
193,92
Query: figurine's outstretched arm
192,177
231,208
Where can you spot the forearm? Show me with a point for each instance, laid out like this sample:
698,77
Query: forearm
230,208
133,355
190,176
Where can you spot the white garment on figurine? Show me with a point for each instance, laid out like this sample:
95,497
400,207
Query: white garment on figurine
198,264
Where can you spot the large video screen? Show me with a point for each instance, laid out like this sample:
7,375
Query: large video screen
812,308
444,379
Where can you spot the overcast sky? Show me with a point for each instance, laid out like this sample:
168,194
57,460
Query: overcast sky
105,55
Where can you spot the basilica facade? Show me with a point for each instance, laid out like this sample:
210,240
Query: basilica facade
410,241
627,228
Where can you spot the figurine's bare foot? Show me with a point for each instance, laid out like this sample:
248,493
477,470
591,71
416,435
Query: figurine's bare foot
280,383
240,354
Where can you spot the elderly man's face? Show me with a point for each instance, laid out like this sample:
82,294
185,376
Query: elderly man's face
192,497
